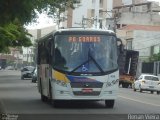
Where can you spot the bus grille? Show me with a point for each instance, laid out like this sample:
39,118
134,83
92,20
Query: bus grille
86,84
80,93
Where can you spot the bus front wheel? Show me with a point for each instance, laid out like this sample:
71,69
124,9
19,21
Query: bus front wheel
56,103
44,98
109,103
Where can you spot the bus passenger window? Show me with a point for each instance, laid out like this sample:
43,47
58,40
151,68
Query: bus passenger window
59,59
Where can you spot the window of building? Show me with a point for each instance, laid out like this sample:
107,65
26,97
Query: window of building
129,44
92,12
100,24
101,3
155,49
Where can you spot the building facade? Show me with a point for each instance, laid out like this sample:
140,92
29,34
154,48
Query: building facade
142,38
29,52
89,13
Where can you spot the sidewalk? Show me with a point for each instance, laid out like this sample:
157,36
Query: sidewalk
10,73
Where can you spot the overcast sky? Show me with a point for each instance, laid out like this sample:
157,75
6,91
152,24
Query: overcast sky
43,21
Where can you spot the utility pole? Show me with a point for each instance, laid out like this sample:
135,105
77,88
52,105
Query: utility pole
96,15
114,19
83,24
96,22
90,20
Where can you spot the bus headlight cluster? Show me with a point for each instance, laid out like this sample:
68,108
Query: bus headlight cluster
61,83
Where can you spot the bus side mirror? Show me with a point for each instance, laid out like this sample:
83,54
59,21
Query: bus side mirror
120,45
121,48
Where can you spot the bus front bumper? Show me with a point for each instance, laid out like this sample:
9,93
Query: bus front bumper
66,95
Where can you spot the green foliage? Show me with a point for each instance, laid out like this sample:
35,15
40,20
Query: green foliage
155,57
16,13
13,35
24,10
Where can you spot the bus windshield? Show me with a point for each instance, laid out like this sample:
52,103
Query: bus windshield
85,53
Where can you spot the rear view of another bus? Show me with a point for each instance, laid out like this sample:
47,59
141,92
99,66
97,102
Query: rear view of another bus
82,65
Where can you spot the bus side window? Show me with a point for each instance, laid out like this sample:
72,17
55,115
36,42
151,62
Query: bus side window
48,51
43,54
39,54
59,59
52,52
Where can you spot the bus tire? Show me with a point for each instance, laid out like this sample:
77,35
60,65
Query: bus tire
43,98
22,78
109,103
125,85
56,103
152,92
50,94
40,86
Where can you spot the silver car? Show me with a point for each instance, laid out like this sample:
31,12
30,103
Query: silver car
26,72
34,76
147,83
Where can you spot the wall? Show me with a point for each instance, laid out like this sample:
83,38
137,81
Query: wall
143,40
136,18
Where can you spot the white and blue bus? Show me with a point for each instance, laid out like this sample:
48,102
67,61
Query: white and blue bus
78,64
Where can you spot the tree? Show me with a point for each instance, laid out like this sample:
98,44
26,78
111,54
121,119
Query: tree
13,35
155,57
24,10
15,13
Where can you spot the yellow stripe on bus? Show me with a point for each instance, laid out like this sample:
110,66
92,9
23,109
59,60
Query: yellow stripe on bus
60,76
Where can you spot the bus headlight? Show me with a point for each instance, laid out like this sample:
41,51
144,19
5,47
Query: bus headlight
61,83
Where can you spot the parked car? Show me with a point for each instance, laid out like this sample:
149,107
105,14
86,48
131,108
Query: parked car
9,68
26,72
147,83
34,76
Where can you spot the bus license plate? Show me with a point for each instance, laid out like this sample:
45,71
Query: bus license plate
87,90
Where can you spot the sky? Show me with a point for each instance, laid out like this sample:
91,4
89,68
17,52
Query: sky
42,21
45,21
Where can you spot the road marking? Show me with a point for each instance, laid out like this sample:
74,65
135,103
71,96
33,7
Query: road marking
140,101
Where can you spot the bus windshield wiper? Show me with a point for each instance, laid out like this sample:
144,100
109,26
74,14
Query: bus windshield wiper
98,66
89,58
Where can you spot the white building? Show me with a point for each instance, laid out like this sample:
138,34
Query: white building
89,13
29,52
133,13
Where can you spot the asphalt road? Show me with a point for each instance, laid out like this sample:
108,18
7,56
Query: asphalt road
21,97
